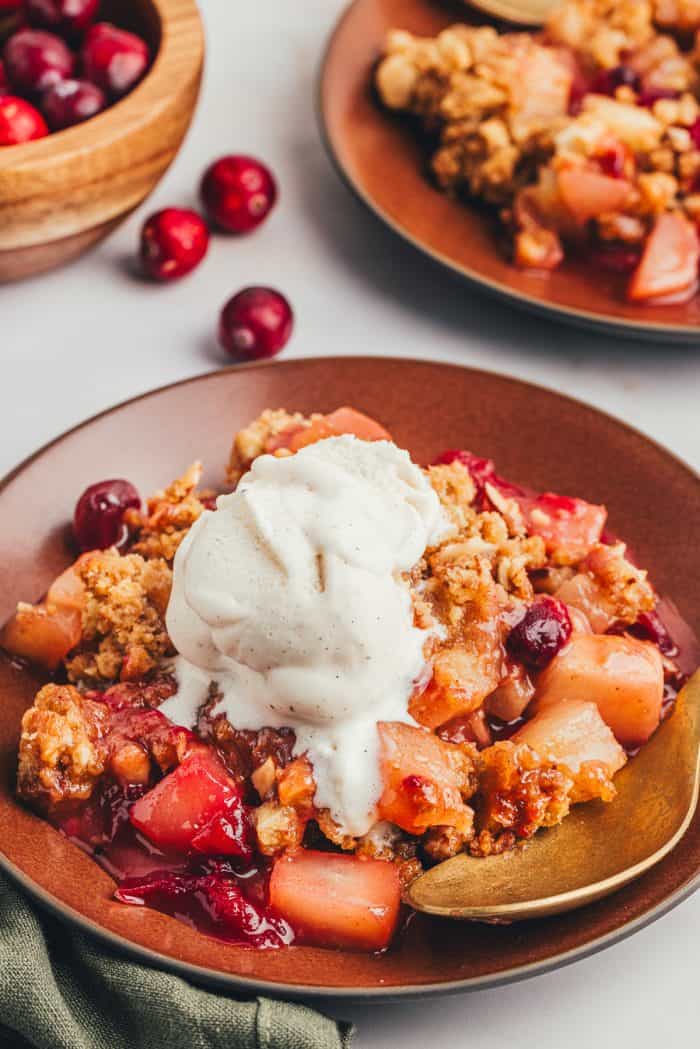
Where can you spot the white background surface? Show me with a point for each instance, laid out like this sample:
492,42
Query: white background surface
80,340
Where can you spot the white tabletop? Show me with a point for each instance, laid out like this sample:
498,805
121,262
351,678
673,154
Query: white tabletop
79,340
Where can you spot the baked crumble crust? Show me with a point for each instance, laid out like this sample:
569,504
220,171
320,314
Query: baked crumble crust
251,441
124,636
170,514
61,751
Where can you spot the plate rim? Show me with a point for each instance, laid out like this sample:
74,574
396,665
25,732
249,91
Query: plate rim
651,331
366,993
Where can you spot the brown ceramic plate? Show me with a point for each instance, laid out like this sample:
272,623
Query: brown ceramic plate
379,157
537,437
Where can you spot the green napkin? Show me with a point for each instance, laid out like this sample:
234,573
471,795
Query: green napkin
60,989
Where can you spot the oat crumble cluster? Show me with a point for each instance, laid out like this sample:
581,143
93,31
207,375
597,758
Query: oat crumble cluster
583,136
472,786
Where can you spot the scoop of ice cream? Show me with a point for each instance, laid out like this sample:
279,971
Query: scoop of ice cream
291,596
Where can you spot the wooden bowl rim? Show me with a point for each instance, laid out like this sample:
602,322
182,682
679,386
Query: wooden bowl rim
141,106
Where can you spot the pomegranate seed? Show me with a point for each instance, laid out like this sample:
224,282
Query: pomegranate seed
70,102
543,630
98,519
114,59
173,242
255,323
616,260
238,193
607,82
35,60
69,17
19,121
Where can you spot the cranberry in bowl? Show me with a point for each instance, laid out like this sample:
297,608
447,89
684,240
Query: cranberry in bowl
124,119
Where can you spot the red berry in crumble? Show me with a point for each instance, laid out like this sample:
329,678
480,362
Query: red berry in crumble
19,121
71,102
173,242
256,323
36,60
238,193
543,630
98,522
113,58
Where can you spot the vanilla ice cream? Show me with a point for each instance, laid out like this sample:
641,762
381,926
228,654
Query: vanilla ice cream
291,597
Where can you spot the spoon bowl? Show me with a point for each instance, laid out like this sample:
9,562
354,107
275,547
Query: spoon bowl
596,850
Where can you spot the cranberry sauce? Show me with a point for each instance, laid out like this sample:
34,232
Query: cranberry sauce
226,899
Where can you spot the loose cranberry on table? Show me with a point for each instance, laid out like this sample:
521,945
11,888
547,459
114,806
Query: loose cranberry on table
543,630
70,102
173,242
98,521
19,121
238,193
113,58
36,60
255,323
69,17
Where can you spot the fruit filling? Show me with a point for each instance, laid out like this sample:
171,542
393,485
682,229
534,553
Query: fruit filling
584,137
272,707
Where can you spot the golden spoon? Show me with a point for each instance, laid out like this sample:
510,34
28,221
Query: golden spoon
522,12
596,850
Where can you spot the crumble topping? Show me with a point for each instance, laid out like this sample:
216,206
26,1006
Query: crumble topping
124,636
171,513
61,751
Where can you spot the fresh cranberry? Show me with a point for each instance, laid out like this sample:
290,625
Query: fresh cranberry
70,102
19,121
69,17
255,323
616,260
649,95
35,60
98,519
607,82
173,242
238,192
543,630
113,58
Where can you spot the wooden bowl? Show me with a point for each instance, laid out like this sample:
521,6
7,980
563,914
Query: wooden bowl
62,194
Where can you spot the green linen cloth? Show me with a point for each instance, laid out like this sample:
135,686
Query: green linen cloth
60,989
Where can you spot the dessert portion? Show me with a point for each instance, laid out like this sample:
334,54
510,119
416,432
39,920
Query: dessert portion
271,709
585,137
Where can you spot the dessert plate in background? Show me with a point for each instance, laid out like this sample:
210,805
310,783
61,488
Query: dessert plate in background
537,437
380,158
